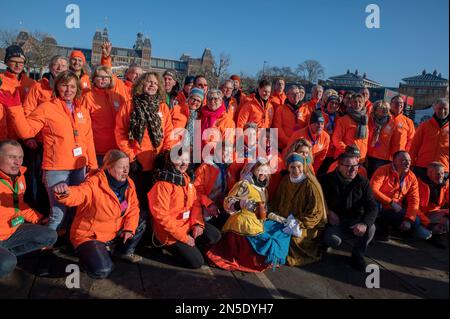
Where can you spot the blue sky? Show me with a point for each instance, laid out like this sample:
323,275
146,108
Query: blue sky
413,34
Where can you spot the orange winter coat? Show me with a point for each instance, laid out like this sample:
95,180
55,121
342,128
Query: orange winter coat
319,149
175,210
123,88
404,133
40,92
181,97
312,104
7,210
426,206
144,152
344,135
386,187
277,99
224,122
232,108
430,144
383,149
103,106
288,121
85,82
62,133
368,105
10,83
205,179
253,111
99,214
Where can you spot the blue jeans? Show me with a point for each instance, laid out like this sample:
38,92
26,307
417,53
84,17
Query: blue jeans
57,210
27,238
94,255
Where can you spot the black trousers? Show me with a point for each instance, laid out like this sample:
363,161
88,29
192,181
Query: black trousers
192,257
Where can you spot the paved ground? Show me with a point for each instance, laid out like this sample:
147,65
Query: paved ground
408,269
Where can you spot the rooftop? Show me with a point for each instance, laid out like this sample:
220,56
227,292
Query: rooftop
429,77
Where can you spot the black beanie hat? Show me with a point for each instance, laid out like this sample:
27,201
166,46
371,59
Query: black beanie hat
14,51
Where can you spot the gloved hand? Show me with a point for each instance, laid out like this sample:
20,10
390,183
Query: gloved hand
405,226
9,100
292,227
135,166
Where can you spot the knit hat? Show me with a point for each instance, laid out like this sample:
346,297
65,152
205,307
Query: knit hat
14,51
341,92
351,151
189,79
235,77
332,98
78,54
171,73
198,92
316,117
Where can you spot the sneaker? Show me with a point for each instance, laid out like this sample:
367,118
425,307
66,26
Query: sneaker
358,262
132,258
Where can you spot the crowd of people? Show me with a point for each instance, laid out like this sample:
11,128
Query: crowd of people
104,165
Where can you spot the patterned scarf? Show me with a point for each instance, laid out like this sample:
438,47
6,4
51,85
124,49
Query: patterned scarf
379,124
171,175
331,122
193,114
145,115
361,120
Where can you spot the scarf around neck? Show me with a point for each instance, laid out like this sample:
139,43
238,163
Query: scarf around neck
209,117
145,116
171,175
361,120
379,124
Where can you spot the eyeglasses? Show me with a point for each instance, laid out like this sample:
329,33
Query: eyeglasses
17,62
202,85
103,77
214,98
353,167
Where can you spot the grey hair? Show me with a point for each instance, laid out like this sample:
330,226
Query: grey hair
56,58
215,91
441,101
315,87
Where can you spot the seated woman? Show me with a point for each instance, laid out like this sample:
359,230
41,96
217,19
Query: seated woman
300,195
107,214
247,244
178,223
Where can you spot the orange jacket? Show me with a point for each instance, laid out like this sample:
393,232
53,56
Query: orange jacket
253,111
123,88
40,92
7,210
368,105
312,104
181,97
103,105
85,82
205,179
99,215
277,99
426,206
403,133
224,122
320,145
175,210
383,149
430,144
10,83
344,135
57,125
386,187
145,153
288,121
232,107
361,170
180,115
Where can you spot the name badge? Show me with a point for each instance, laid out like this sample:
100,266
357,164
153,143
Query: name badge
186,215
123,206
77,152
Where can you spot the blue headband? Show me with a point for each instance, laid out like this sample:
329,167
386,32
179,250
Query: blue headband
298,158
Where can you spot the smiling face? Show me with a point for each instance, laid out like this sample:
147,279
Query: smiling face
295,95
441,110
102,79
295,169
16,65
436,174
402,163
227,89
181,163
151,85
58,66
120,169
317,128
76,64
67,91
133,73
317,93
348,167
214,101
264,92
279,86
262,172
11,158
194,102
169,83
397,105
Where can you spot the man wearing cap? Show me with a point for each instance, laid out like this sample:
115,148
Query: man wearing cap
353,150
184,93
292,116
237,91
13,78
171,87
77,62
316,135
352,208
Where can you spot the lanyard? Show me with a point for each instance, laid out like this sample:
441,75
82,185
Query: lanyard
15,191
313,142
73,121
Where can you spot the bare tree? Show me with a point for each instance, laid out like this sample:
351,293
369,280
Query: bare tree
311,70
39,50
7,38
220,69
248,83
